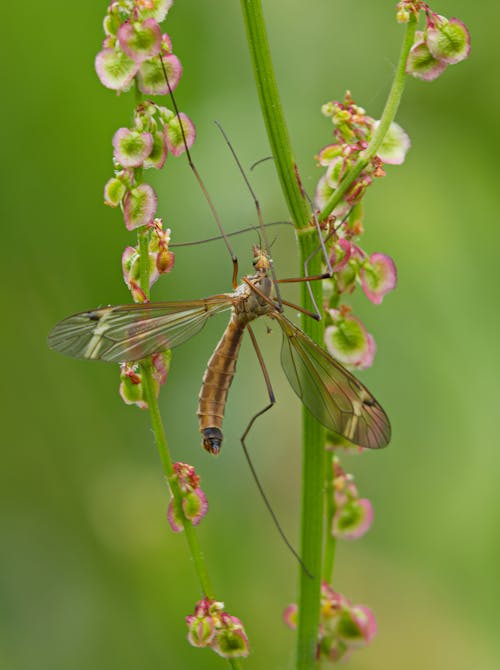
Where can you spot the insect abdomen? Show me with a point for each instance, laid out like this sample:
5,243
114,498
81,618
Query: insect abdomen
215,387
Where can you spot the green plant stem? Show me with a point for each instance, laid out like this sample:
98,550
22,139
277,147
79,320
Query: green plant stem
313,432
166,461
272,112
159,431
388,116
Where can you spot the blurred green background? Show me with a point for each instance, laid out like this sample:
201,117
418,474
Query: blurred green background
90,575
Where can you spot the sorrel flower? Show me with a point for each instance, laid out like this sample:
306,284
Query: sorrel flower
343,626
211,626
194,500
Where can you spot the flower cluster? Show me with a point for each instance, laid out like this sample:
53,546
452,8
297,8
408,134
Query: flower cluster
210,626
443,42
134,47
135,51
353,515
156,131
345,335
353,130
194,500
343,626
161,260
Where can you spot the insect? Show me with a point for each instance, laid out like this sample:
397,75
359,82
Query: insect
132,332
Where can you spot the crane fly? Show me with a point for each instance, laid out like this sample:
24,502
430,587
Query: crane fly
127,333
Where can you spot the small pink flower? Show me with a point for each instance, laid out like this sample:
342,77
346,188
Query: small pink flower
210,626
139,206
364,618
349,342
158,155
353,519
378,276
201,631
340,254
448,40
395,145
140,41
177,138
173,518
290,616
195,506
114,192
151,78
131,389
422,64
156,9
131,148
115,69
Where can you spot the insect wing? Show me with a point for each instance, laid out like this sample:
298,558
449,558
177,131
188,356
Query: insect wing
132,332
330,392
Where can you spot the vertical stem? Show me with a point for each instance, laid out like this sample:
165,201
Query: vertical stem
388,115
313,476
313,432
166,461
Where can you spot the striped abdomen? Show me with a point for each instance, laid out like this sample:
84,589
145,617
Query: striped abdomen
215,387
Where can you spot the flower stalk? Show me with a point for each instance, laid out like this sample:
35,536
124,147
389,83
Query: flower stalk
388,116
313,461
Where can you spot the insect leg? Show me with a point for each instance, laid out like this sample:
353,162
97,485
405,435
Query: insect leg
200,180
272,400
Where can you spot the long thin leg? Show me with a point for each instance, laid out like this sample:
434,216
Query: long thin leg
200,180
301,309
272,400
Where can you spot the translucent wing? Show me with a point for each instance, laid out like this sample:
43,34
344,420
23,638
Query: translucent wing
332,394
132,332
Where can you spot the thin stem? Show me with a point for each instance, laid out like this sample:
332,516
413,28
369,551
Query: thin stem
313,432
150,389
388,116
272,112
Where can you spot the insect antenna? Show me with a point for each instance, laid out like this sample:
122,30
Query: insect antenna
234,232
259,211
200,180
